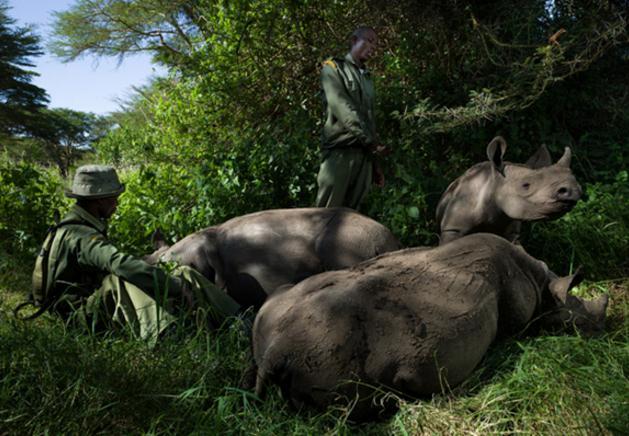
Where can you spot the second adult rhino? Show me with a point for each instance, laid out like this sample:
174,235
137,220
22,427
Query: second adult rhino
252,255
412,322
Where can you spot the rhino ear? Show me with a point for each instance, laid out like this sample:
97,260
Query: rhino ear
496,150
158,240
566,158
560,286
540,159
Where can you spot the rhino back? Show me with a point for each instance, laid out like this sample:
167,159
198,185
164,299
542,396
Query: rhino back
349,238
265,250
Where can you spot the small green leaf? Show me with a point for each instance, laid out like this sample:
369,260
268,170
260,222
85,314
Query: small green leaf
413,212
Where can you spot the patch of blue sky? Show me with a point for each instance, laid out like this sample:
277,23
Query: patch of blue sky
87,84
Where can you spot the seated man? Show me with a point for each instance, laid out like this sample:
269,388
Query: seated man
80,273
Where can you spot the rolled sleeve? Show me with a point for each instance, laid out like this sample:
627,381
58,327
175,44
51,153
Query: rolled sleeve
96,252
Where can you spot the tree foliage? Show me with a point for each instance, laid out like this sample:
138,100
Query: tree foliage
20,99
28,129
118,28
493,56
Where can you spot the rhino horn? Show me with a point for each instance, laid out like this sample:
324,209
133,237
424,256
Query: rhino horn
566,158
599,306
541,158
158,240
495,152
560,286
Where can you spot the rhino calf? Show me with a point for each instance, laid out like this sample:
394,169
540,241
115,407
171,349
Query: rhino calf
411,321
495,196
252,255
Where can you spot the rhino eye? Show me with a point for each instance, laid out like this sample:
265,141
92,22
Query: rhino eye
526,185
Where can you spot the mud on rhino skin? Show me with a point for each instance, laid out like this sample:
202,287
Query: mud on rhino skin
409,321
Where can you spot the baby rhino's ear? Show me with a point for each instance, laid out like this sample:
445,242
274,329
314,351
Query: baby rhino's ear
495,152
158,240
540,159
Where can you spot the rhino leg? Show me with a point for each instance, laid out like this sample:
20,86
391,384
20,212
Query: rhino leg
249,377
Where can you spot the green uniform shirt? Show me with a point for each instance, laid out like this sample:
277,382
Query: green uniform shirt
80,257
349,104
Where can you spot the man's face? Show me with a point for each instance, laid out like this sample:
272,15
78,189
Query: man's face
364,47
107,206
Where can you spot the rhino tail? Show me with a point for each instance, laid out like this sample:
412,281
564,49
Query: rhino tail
158,240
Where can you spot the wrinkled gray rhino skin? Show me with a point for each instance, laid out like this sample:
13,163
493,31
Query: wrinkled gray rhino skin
252,255
411,321
496,196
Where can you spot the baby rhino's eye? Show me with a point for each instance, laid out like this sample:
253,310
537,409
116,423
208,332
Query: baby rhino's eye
526,185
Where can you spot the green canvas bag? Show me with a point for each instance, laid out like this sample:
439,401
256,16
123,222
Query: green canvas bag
41,295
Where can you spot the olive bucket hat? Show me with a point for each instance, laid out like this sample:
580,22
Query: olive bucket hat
95,181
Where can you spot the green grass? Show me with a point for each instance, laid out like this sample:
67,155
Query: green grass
56,379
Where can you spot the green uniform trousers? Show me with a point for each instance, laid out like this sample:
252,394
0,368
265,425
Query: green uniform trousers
344,178
118,303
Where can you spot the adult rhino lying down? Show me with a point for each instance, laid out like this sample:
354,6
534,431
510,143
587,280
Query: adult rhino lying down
410,322
252,255
495,196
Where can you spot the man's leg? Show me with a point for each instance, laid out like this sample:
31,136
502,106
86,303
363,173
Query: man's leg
121,303
334,178
362,175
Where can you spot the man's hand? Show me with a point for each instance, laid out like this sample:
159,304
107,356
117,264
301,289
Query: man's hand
378,175
380,150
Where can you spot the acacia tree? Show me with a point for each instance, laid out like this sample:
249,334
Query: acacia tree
66,135
165,28
20,99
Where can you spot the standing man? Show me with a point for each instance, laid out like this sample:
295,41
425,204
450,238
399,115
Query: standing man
349,139
80,274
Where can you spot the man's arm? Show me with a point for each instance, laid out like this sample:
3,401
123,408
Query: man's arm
341,105
97,252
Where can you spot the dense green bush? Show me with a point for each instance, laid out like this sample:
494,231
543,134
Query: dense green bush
187,171
180,198
29,196
594,235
